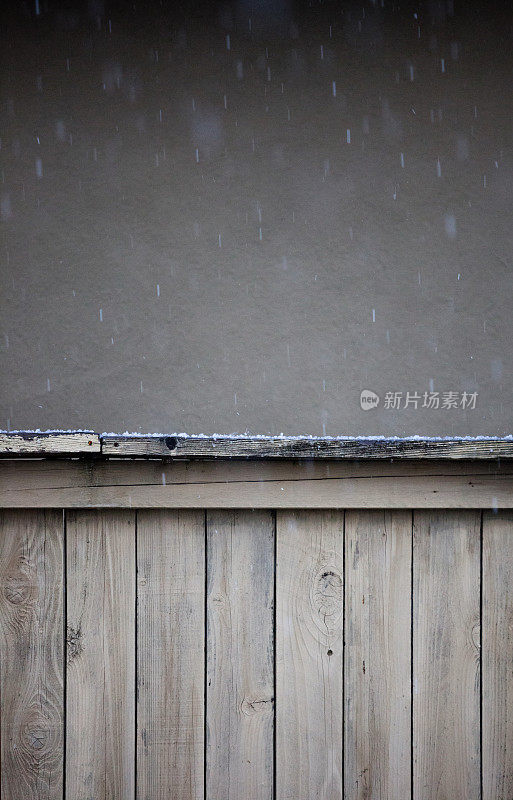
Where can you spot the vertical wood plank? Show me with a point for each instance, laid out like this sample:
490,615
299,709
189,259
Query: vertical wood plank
309,645
100,698
446,681
377,680
240,657
497,658
171,657
32,654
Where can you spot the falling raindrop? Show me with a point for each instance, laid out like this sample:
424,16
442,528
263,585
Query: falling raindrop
450,226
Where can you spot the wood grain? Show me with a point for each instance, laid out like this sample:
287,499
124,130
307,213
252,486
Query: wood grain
309,645
31,652
306,447
25,443
22,475
497,656
377,684
100,699
170,655
240,655
446,681
264,484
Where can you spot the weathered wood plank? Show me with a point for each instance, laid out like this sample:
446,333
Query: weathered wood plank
307,447
25,443
31,474
309,645
377,681
302,485
497,657
240,655
32,655
446,683
100,699
170,654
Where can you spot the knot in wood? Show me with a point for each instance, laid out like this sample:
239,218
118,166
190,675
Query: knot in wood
253,705
17,591
328,593
36,737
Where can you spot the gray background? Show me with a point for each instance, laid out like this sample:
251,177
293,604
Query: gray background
189,242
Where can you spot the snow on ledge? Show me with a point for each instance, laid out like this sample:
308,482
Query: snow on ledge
266,437
312,437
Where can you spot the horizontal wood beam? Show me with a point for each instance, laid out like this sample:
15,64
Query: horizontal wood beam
283,447
255,484
30,444
36,444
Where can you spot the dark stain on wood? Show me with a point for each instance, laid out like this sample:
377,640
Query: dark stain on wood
73,643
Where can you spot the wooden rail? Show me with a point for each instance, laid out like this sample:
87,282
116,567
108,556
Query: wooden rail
51,443
30,444
257,483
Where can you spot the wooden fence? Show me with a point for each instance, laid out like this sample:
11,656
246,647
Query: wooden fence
351,641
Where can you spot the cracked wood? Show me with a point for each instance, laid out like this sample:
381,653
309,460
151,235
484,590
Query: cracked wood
170,654
31,652
100,712
309,628
240,654
377,662
446,657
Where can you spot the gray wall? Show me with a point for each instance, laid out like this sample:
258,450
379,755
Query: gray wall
204,239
